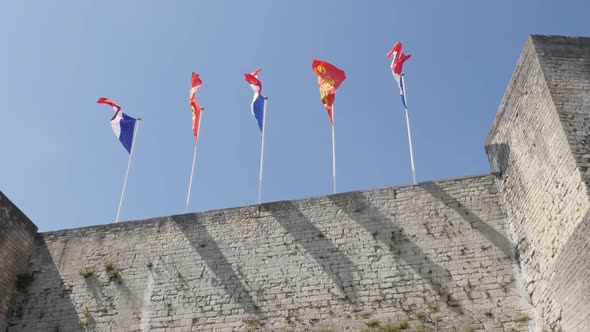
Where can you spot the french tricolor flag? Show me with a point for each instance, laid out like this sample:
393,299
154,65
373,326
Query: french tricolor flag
397,68
257,105
123,125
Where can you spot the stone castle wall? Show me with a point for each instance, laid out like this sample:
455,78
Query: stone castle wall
435,255
17,233
538,147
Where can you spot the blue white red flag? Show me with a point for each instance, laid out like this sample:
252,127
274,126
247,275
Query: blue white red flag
397,64
123,125
257,105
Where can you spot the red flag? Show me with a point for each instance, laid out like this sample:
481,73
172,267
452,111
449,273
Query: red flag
329,79
196,109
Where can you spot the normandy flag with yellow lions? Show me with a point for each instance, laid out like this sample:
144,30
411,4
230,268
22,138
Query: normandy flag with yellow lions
329,79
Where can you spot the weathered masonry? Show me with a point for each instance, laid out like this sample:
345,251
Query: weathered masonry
508,251
540,148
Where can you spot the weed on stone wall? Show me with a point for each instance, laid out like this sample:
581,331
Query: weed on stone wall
365,315
433,307
87,319
373,323
109,266
521,318
468,328
112,271
88,272
387,327
252,322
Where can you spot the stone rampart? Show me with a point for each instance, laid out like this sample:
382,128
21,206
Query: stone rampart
435,255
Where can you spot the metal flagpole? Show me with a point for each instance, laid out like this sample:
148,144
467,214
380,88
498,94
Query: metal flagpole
408,125
333,154
128,166
190,183
262,152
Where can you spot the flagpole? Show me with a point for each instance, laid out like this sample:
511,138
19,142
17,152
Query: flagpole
408,126
128,167
262,152
333,154
190,183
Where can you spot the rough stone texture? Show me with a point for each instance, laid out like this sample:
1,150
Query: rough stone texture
435,254
17,233
539,149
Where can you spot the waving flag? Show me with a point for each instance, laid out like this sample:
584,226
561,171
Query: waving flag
329,79
123,125
397,65
196,109
257,105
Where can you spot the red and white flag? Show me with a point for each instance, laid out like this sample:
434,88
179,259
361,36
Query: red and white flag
196,109
397,67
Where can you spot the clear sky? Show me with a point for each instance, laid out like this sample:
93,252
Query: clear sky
62,165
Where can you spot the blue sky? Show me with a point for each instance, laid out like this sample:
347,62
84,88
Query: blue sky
62,165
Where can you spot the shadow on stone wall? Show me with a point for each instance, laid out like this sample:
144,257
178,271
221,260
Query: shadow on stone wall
48,306
204,244
568,305
17,237
357,206
333,262
498,239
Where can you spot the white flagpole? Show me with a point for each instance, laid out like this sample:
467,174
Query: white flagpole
408,126
333,154
190,183
262,152
128,166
